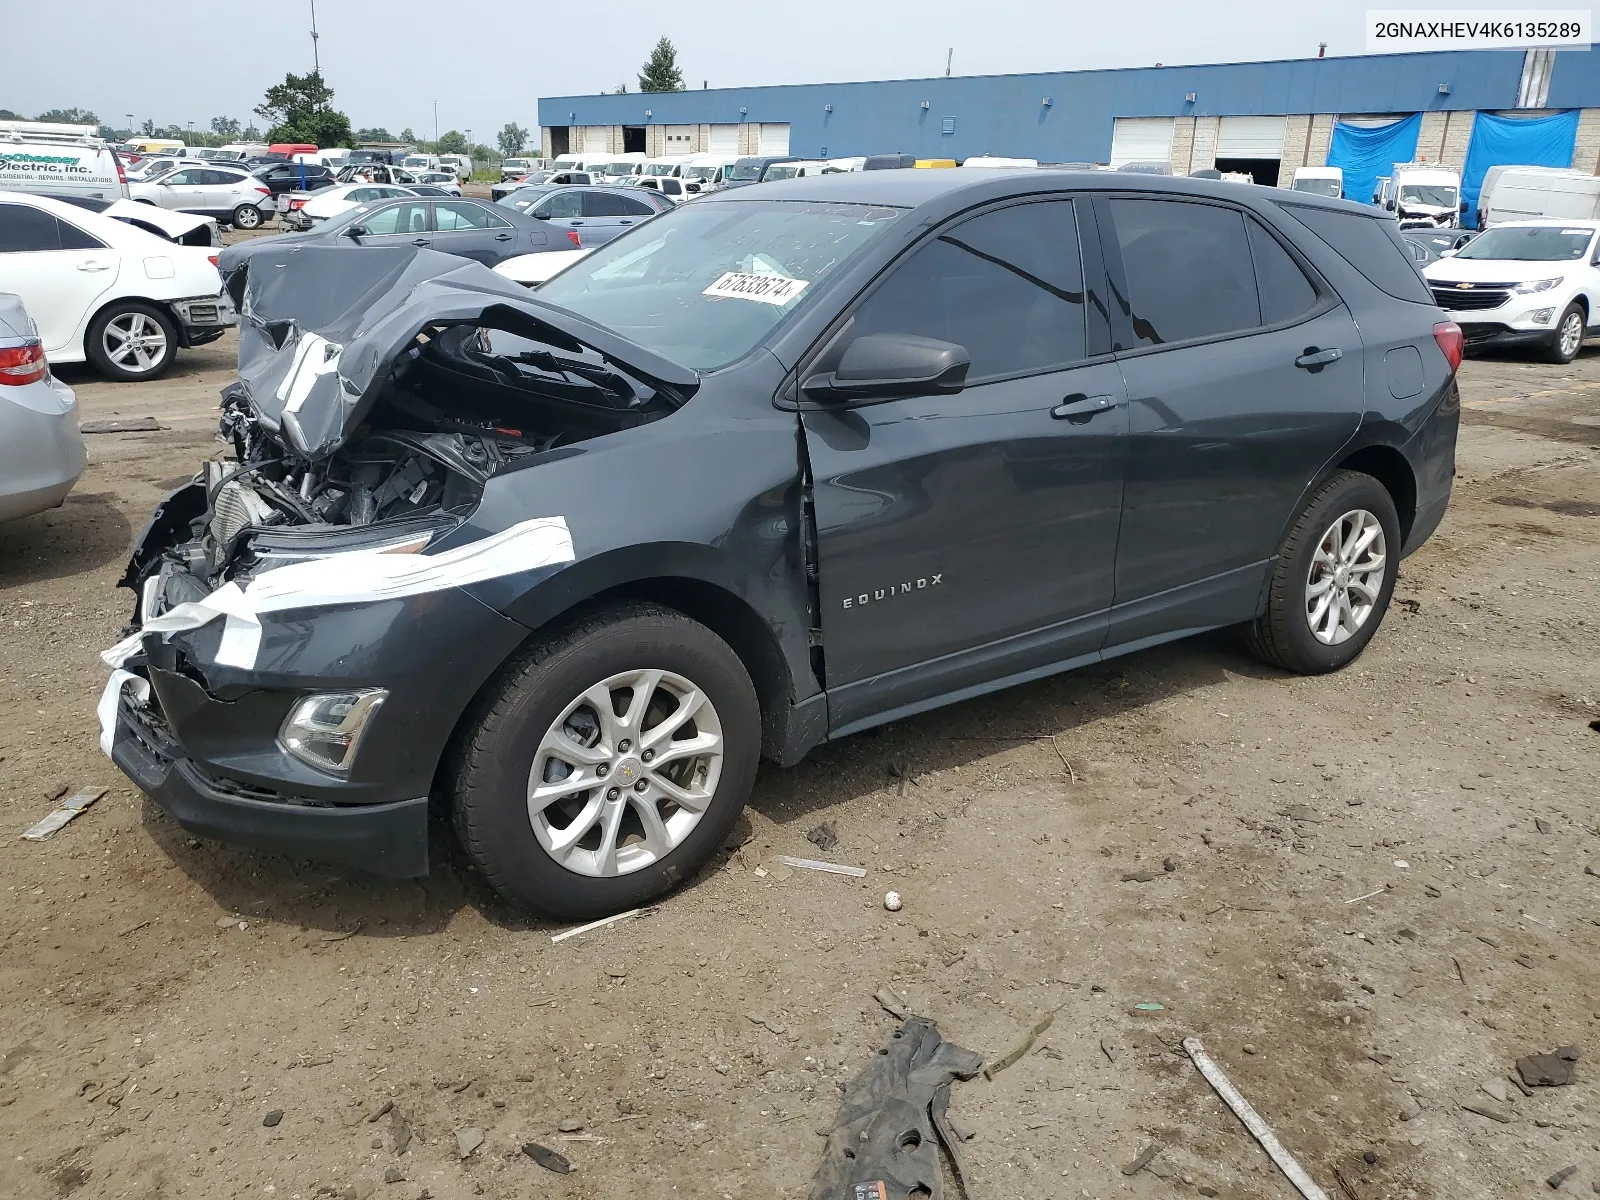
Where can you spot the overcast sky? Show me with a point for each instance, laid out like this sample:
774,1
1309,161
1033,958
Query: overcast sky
487,64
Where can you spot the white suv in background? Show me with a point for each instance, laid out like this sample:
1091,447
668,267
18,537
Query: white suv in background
1524,283
102,290
231,196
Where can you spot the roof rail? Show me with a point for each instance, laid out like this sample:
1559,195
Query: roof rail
49,131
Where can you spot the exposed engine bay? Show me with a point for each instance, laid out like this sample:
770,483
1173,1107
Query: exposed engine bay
323,463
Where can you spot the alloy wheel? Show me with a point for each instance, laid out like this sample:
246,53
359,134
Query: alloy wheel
625,773
1571,335
136,342
1346,577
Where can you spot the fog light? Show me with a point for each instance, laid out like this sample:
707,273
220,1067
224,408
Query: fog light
1542,316
325,730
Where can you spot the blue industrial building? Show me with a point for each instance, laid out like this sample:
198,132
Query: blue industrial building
1274,115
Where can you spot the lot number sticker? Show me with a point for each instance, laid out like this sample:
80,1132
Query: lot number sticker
766,289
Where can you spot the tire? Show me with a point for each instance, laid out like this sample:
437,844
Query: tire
532,702
158,338
1567,339
1284,635
247,216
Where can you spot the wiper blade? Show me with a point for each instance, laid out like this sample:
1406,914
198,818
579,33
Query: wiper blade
610,345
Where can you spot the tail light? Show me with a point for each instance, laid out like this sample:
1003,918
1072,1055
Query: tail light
572,236
22,364
1449,336
122,176
265,191
212,258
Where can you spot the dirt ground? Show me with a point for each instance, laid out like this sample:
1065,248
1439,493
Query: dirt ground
1367,893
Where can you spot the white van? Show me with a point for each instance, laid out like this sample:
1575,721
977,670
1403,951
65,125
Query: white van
1319,181
595,164
710,171
420,162
459,163
59,160
665,167
1527,193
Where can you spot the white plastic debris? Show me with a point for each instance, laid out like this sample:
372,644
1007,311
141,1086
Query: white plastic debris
891,901
602,923
1252,1121
69,809
811,864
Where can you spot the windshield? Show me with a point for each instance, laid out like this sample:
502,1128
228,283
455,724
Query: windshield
782,171
538,177
515,164
699,172
618,169
1544,243
1433,195
707,282
747,172
414,160
1318,187
659,168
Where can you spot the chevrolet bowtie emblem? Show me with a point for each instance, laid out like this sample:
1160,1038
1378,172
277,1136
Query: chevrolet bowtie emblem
1463,285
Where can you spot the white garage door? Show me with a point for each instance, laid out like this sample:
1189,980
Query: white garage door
774,139
678,139
1250,137
724,139
1141,139
597,139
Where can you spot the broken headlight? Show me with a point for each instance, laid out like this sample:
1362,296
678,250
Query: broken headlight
325,730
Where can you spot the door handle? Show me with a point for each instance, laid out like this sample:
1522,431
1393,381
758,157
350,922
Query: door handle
575,222
1314,358
1078,408
628,221
94,265
502,237
420,242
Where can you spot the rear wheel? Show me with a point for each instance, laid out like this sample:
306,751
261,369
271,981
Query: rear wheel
1567,339
131,340
247,216
610,764
1333,578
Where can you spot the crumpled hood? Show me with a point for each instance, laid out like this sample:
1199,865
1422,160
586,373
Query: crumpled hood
321,328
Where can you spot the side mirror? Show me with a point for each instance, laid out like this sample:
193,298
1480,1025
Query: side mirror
356,232
885,365
1446,253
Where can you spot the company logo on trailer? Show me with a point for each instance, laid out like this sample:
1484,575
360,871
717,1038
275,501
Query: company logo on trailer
903,588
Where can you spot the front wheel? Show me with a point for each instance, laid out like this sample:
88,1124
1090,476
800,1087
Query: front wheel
1568,336
610,763
1333,578
247,216
132,341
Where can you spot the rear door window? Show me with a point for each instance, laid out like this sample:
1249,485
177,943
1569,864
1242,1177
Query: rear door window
602,204
1006,285
1286,293
1188,270
460,215
24,230
561,206
1371,245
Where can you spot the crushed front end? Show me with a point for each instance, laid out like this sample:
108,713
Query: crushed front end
305,635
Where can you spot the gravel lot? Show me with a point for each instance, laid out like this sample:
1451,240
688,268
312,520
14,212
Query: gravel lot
1367,894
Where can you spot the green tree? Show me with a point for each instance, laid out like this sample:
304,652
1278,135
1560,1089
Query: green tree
69,116
250,133
148,128
406,135
661,73
374,133
227,127
512,139
300,109
453,142
7,115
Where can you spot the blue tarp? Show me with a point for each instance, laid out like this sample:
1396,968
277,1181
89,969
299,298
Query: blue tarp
1364,154
1517,141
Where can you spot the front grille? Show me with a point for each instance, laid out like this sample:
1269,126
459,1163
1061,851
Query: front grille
1471,297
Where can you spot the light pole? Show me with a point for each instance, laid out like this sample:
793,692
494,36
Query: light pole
316,62
435,124
130,124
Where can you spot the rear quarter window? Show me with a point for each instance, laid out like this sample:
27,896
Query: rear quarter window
1371,245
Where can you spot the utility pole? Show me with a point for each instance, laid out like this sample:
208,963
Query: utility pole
947,59
316,61
435,124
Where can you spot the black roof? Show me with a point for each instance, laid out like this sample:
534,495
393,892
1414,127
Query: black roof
911,187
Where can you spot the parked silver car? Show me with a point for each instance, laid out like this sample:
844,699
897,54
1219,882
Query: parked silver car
41,450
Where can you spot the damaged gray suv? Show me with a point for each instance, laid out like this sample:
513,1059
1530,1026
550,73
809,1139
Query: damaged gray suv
781,465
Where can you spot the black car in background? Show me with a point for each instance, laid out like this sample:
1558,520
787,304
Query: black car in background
284,177
778,466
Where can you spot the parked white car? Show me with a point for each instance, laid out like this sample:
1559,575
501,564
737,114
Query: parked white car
530,270
226,194
444,180
668,185
102,290
1524,283
304,210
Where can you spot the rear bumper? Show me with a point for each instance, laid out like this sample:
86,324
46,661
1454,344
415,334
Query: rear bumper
41,450
389,839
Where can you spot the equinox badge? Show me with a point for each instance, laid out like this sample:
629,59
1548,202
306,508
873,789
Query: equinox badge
903,588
